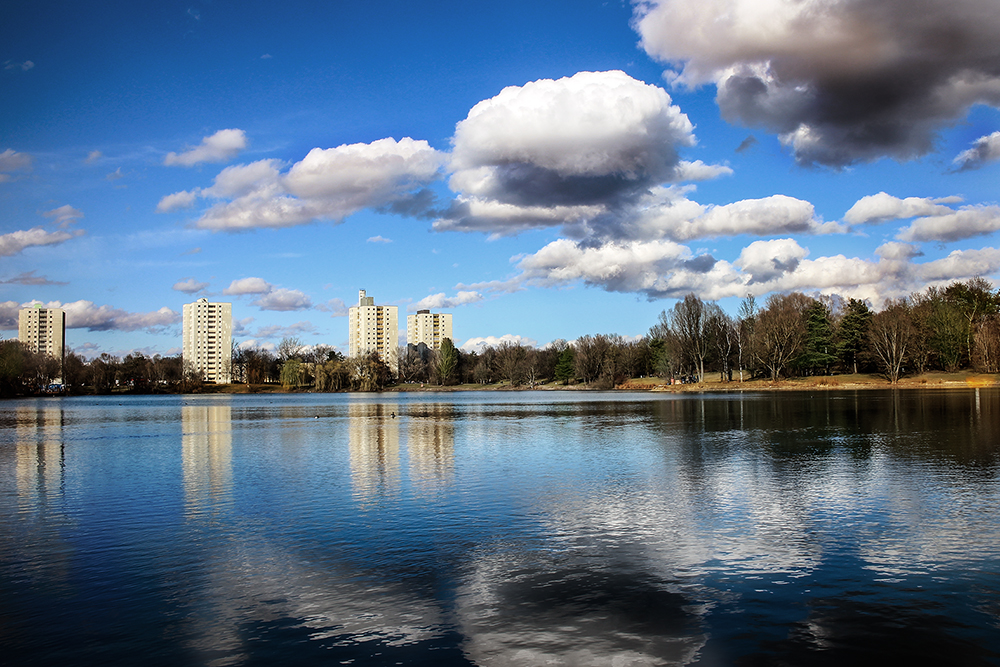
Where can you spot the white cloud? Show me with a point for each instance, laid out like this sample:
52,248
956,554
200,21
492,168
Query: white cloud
269,297
767,260
189,286
24,67
984,150
328,184
87,315
176,201
248,286
881,207
441,301
379,239
64,215
965,223
699,171
662,269
682,220
839,82
10,161
221,146
15,242
336,308
282,299
93,156
591,140
480,343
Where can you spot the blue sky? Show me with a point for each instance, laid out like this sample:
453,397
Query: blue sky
540,170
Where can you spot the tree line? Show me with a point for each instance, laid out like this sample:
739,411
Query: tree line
788,335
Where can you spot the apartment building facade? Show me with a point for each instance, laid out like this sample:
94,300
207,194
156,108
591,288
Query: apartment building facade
373,329
428,328
43,330
208,340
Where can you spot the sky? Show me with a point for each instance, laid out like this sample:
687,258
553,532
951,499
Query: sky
541,170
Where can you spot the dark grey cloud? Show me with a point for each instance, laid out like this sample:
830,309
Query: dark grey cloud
840,81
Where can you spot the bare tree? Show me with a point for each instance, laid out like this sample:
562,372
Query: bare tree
689,323
723,329
508,359
779,330
891,336
986,345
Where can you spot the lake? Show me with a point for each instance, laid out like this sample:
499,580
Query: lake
502,528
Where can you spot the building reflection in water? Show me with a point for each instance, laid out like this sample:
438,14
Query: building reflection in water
206,447
374,443
430,444
40,456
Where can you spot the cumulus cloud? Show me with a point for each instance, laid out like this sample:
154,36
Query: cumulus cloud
11,161
221,146
663,269
984,150
87,315
282,299
268,296
24,67
965,223
15,242
680,219
551,147
442,301
189,286
177,200
883,207
93,156
839,81
248,286
379,239
936,219
64,215
328,184
480,343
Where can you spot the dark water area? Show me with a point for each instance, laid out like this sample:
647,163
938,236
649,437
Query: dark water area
489,528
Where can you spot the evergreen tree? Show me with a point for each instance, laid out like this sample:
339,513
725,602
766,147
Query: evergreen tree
817,346
564,366
852,335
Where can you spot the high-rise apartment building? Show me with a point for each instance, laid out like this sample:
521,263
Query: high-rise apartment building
208,340
373,329
43,330
428,328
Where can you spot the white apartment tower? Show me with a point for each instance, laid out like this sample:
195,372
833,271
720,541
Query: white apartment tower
208,340
428,328
43,330
373,328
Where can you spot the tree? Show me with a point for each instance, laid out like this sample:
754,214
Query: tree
290,348
852,334
509,356
723,334
689,324
817,345
447,361
291,373
778,331
744,330
986,345
891,336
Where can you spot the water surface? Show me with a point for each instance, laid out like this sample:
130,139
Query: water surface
492,528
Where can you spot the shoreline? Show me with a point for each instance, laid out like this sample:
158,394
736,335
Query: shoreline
931,380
